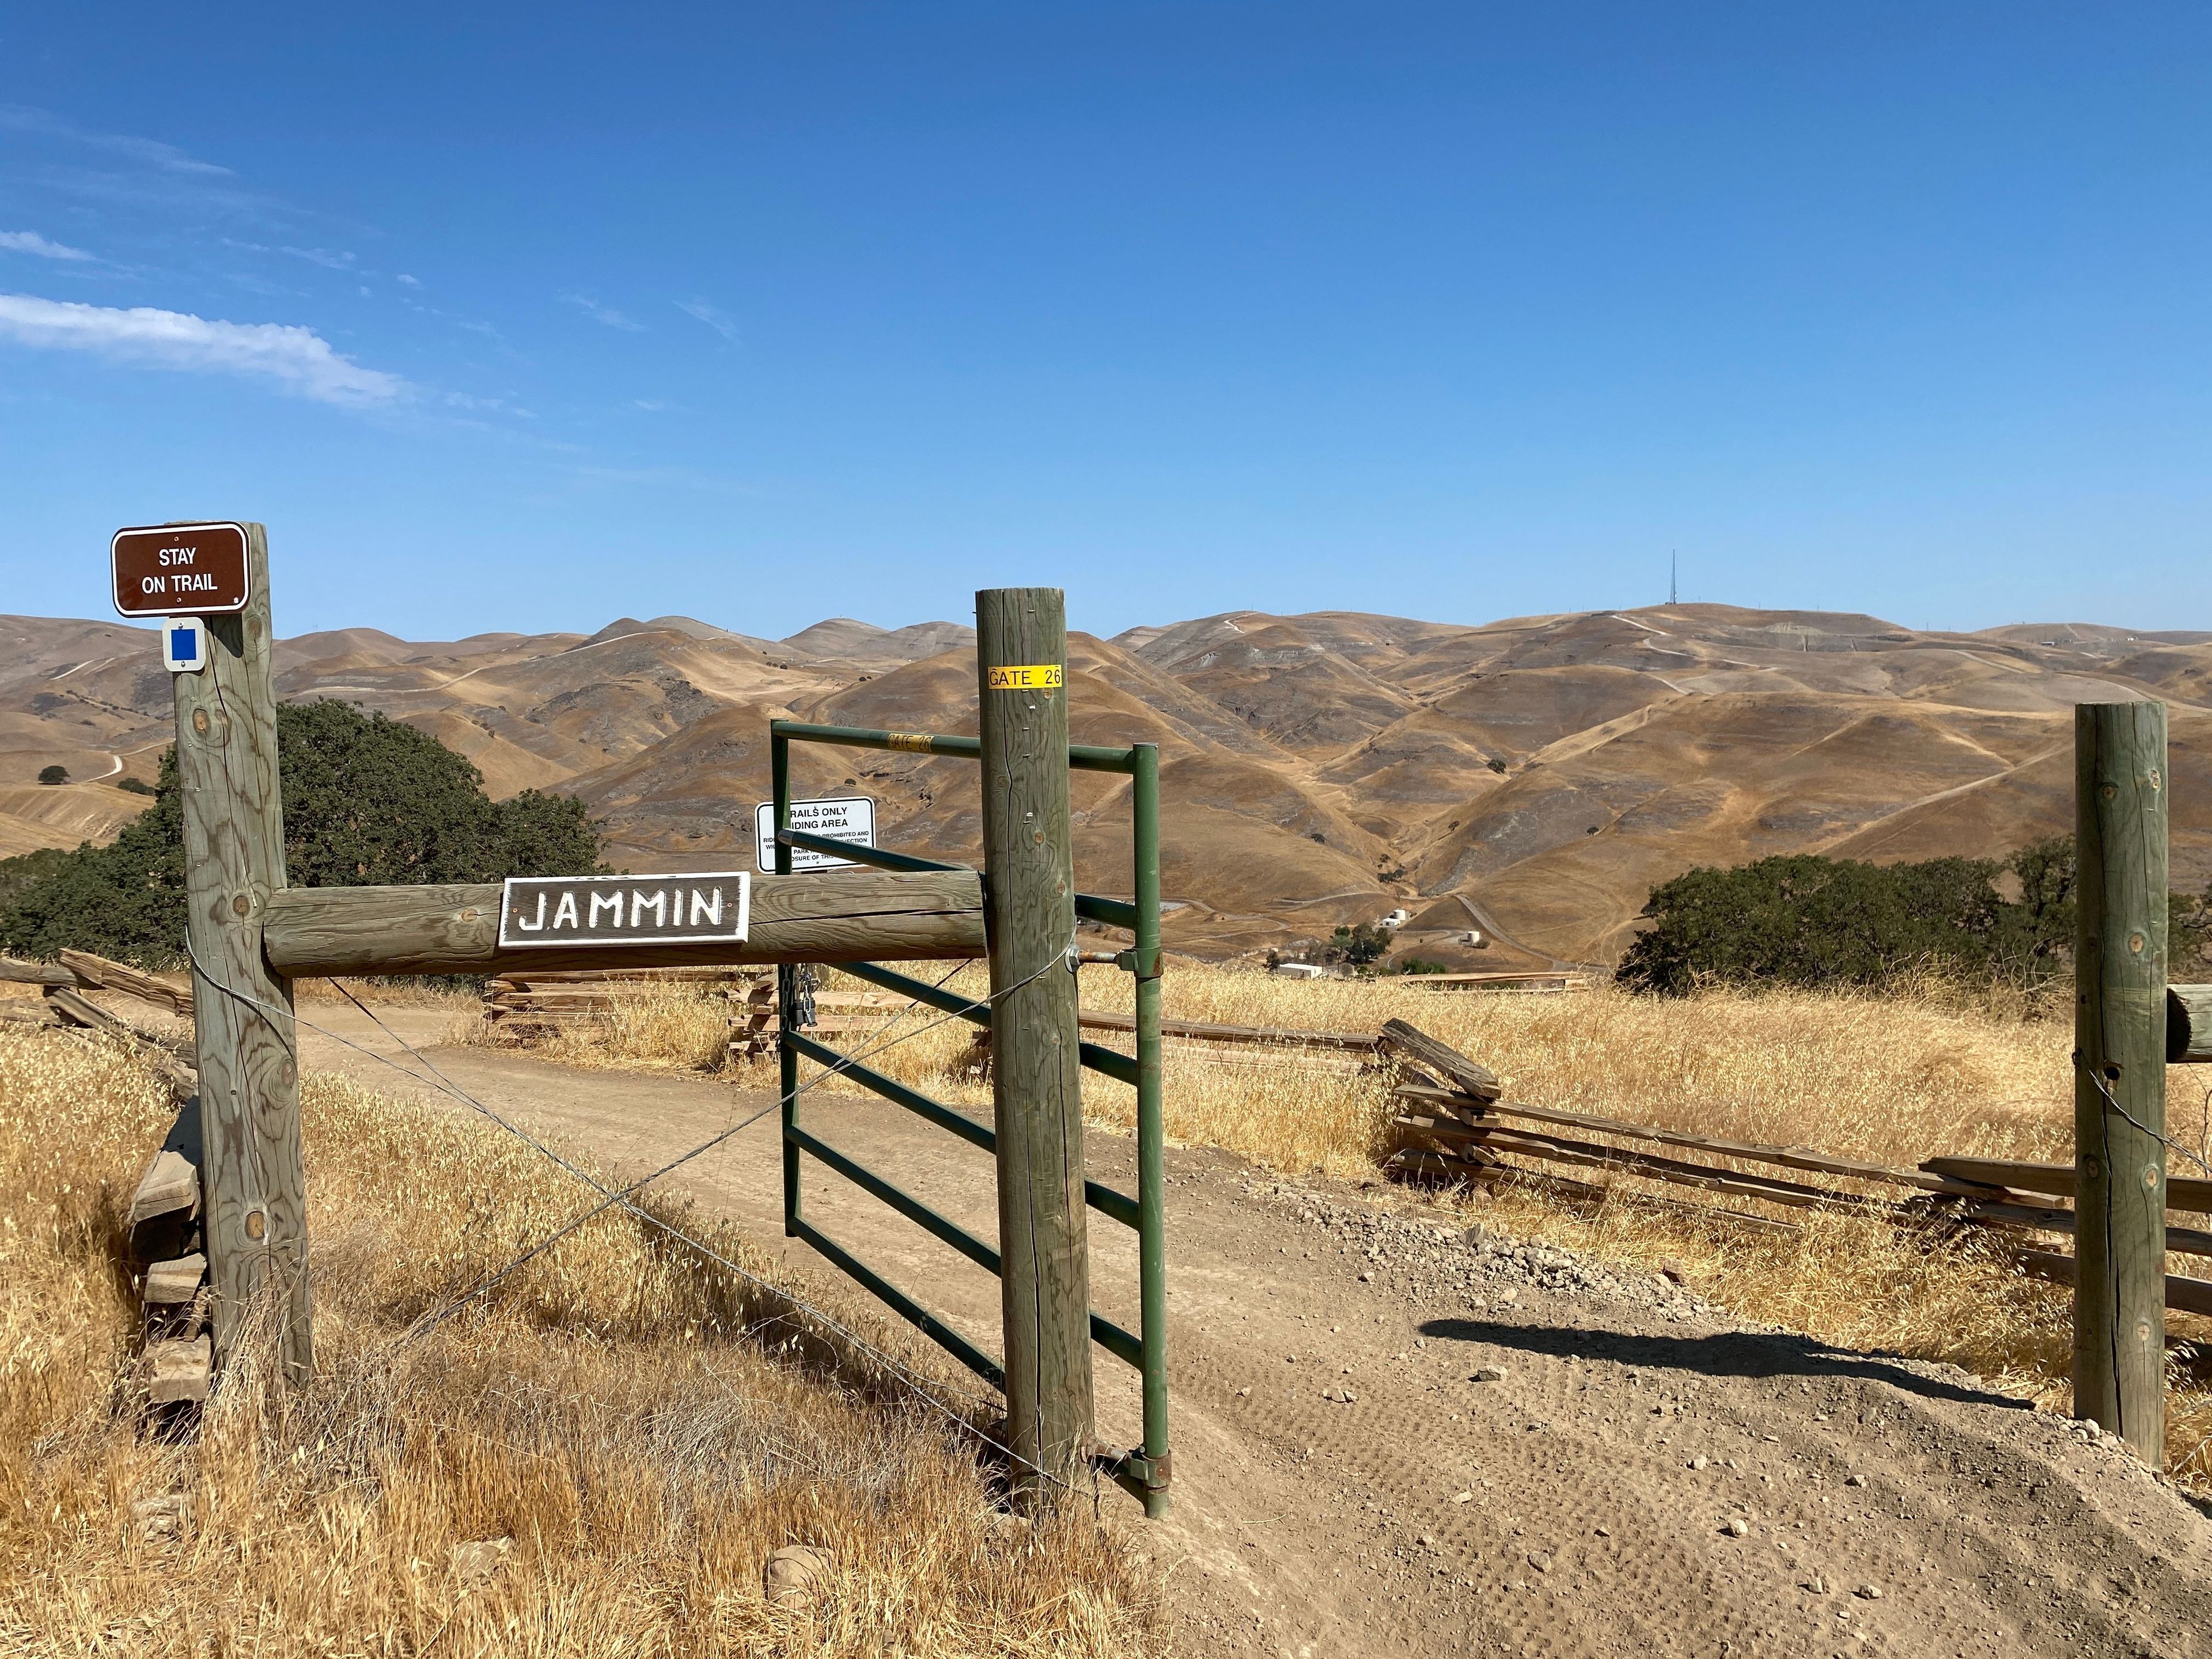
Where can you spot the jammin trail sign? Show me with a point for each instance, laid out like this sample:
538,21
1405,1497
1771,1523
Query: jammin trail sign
252,933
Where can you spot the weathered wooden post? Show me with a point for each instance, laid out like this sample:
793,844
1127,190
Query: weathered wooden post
254,1186
1021,645
2119,1070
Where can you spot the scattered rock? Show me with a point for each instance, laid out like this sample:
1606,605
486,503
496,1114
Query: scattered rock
1817,1584
795,1574
1855,1480
473,1563
1673,1271
1736,1525
1869,1592
1540,1559
1245,1393
1488,1374
1475,1235
155,1519
1701,1462
1367,1279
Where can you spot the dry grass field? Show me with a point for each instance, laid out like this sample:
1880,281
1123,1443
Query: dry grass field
595,1459
1890,1079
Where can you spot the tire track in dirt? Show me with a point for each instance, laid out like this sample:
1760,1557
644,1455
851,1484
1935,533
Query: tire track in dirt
1556,1511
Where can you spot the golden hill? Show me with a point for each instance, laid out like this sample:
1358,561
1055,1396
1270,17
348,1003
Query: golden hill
1529,779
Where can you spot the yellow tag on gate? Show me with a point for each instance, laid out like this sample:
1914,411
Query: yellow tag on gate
1033,676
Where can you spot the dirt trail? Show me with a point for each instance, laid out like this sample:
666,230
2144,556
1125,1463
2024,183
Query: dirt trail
1579,1505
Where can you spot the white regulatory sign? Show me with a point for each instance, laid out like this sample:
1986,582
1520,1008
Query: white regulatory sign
852,818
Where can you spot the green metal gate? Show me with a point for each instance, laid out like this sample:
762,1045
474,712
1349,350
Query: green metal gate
1144,1472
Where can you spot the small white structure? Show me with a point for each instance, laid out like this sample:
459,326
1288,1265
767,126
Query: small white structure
1397,919
1300,970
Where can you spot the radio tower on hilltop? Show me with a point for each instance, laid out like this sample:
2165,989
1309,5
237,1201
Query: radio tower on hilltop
1670,575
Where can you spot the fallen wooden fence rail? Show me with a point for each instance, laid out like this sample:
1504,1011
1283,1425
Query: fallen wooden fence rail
1533,984
1459,1134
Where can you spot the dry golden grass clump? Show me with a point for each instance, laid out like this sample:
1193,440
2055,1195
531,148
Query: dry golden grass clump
595,1459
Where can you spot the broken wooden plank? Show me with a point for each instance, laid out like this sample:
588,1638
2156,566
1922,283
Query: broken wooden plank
1423,1049
172,1182
103,974
175,1281
34,972
177,1372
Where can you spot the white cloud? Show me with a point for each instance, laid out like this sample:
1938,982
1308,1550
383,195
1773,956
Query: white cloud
599,313
408,280
298,359
29,241
720,322
149,152
321,256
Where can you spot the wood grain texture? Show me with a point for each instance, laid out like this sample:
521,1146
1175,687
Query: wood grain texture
253,1183
835,916
2120,1072
2189,1026
34,972
1418,1046
100,974
1036,1074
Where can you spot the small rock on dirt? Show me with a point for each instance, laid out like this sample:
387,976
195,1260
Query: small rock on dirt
1701,1462
1736,1525
474,1562
1674,1272
1869,1592
1855,1480
1540,1559
793,1574
155,1519
1488,1374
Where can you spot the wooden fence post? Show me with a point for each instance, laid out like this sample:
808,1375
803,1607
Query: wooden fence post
1021,646
254,1186
2119,1070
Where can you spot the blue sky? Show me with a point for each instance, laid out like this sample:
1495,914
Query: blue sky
505,317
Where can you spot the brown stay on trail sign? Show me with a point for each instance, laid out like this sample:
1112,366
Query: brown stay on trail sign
180,571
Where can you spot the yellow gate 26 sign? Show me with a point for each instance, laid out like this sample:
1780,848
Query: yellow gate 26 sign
1033,676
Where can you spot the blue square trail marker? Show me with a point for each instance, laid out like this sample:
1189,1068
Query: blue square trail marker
184,645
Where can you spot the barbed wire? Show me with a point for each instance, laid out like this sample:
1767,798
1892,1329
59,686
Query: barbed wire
623,1197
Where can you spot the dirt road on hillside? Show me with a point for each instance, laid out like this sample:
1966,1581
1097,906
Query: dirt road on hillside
1641,1475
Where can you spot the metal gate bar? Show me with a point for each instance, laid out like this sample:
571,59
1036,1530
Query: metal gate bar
1144,1472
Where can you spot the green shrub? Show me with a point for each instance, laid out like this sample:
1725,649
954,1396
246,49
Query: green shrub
1803,919
367,801
53,774
134,785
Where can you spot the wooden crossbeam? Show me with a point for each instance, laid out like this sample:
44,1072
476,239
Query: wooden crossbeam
831,915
